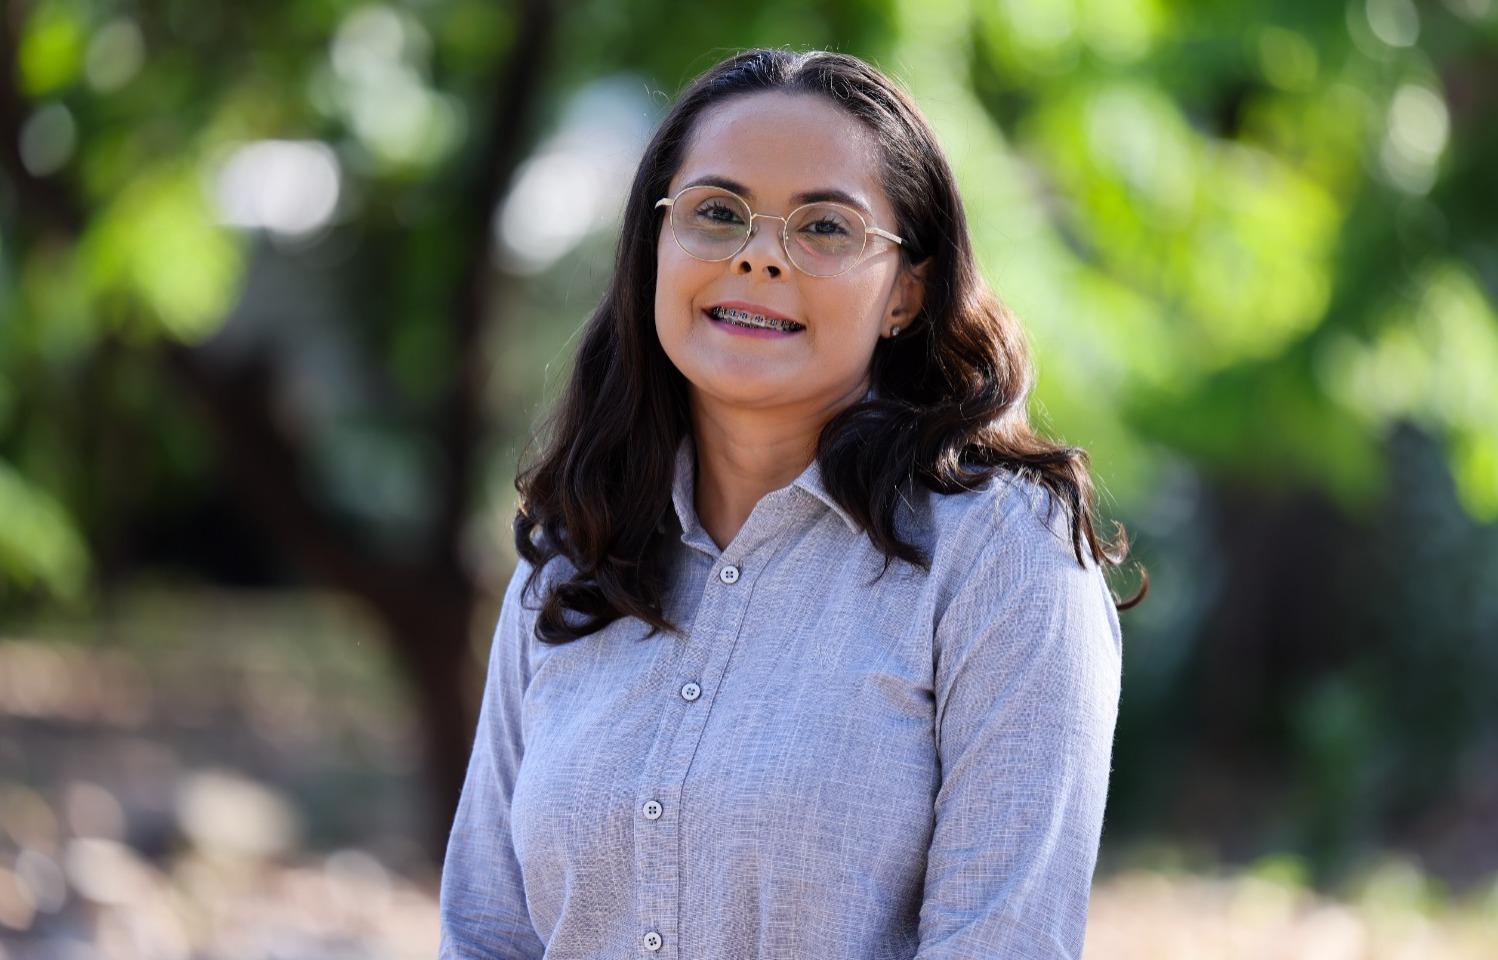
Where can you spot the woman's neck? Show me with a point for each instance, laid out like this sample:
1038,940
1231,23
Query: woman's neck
745,453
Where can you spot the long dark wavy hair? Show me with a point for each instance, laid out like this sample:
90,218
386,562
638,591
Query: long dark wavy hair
948,411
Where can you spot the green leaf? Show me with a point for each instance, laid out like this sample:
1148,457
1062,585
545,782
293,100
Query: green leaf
50,52
38,544
157,244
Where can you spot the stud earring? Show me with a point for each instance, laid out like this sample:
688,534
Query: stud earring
895,330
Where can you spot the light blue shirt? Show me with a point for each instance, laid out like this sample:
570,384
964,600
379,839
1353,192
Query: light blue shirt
823,767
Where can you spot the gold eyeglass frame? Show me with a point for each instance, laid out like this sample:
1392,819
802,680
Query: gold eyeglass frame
785,226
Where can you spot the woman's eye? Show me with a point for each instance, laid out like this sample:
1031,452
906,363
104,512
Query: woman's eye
709,213
836,228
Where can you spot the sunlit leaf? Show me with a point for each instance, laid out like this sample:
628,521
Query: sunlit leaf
1432,361
1475,468
157,244
50,53
39,546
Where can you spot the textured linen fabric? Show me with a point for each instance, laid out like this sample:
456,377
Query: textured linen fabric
824,767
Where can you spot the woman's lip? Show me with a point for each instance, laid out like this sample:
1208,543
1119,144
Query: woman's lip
762,332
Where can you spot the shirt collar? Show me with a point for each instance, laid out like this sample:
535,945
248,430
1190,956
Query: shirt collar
683,487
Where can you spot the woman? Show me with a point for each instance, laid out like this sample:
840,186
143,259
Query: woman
809,663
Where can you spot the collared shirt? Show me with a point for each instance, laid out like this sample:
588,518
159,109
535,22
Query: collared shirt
824,767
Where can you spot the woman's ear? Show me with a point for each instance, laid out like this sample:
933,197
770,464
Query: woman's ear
908,296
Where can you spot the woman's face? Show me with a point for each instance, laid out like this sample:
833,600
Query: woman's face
776,146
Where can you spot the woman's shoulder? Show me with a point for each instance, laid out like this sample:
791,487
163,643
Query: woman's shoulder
1008,542
1010,512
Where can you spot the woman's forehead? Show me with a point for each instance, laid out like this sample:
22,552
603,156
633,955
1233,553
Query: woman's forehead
779,148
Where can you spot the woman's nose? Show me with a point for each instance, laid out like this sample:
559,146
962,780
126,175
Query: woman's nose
771,251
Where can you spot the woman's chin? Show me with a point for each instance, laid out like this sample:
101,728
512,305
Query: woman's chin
748,387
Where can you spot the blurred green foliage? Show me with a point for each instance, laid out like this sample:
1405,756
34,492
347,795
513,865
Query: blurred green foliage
1171,194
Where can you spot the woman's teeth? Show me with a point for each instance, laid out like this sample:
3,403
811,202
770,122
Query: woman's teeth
742,318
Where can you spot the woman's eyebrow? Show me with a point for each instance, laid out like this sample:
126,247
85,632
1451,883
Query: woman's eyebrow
805,196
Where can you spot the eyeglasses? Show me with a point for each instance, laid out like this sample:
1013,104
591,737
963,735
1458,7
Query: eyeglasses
711,223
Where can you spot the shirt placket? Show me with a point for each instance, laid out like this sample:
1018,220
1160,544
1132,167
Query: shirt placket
691,690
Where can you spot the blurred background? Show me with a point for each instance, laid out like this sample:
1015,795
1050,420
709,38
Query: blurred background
282,288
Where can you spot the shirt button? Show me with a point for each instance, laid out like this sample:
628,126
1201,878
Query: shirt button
652,810
652,941
690,691
729,574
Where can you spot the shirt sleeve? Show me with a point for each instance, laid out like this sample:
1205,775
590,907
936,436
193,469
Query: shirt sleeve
482,906
1028,677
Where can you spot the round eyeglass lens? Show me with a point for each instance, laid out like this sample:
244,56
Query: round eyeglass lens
709,223
825,238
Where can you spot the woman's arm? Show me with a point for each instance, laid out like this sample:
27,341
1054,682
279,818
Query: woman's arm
482,906
1028,679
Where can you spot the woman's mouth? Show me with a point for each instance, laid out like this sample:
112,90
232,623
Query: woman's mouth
751,324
